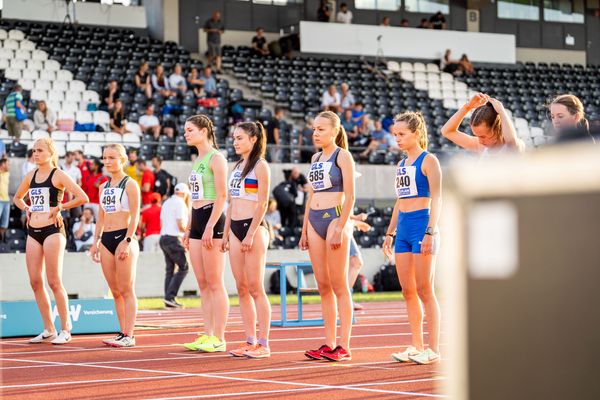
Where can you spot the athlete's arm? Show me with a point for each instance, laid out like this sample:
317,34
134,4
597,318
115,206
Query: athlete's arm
347,165
22,191
431,169
218,164
263,175
509,133
79,196
133,193
390,233
450,130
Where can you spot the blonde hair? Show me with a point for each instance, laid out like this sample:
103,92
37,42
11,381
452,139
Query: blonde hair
119,148
341,139
416,124
51,148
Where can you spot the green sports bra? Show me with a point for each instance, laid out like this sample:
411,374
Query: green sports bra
202,180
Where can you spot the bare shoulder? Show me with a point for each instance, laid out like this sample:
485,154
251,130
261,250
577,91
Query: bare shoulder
345,156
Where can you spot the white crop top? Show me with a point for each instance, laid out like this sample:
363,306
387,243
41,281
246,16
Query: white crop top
246,188
115,199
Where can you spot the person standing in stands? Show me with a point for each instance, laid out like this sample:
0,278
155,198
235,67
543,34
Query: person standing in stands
4,197
327,230
163,183
272,128
148,180
491,125
150,224
16,112
214,28
438,21
259,43
174,219
414,230
249,239
115,245
47,239
91,186
344,16
83,165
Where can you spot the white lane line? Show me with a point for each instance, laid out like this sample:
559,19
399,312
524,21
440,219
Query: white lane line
397,382
31,385
220,395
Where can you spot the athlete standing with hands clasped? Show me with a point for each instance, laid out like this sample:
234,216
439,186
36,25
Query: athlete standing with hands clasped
115,245
46,239
326,232
414,223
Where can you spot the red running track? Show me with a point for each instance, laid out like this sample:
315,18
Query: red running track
159,368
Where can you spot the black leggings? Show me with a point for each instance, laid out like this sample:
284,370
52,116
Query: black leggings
111,240
240,228
40,234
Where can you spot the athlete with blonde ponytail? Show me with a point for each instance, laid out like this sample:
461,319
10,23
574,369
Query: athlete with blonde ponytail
45,187
204,233
414,226
326,232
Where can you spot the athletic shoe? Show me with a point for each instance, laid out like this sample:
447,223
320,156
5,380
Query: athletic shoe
196,343
337,354
258,351
172,303
43,337
317,354
109,341
404,355
426,357
125,341
358,307
241,351
212,345
62,338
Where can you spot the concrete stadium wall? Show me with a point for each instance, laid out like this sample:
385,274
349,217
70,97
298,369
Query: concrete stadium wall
83,277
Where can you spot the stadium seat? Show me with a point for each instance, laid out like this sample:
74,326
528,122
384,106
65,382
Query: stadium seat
38,134
93,150
112,137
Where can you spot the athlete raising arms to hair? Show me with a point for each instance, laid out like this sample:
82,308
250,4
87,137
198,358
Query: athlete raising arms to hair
326,231
115,245
204,234
492,128
414,224
46,239
248,202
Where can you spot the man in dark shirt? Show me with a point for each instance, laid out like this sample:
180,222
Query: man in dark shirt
110,96
214,28
163,180
272,127
259,43
438,21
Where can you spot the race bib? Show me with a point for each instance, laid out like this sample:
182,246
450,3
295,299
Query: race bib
196,186
111,199
318,176
236,184
406,184
40,199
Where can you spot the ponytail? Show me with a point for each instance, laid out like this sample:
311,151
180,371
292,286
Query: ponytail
257,130
416,123
202,121
341,139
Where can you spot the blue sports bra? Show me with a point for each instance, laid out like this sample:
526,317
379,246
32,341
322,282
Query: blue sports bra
326,176
410,180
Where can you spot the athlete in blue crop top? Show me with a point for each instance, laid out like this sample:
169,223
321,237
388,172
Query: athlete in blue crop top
414,221
326,232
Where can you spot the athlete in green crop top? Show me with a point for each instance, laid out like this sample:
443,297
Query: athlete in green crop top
204,234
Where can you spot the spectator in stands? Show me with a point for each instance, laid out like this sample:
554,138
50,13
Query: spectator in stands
83,165
466,66
306,141
177,81
424,24
169,127
331,99
4,196
348,123
210,83
272,216
194,82
142,80
2,145
447,64
323,12
404,23
347,98
174,217
71,169
214,28
91,186
83,230
16,112
272,128
110,96
28,165
259,43
385,21
131,167
380,140
44,118
344,16
160,83
163,182
149,122
358,115
150,224
364,132
117,118
148,179
438,21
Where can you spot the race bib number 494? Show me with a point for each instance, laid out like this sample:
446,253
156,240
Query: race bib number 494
111,200
40,199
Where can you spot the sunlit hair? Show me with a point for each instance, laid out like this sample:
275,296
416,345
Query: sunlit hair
341,139
120,149
416,124
202,121
51,149
487,115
